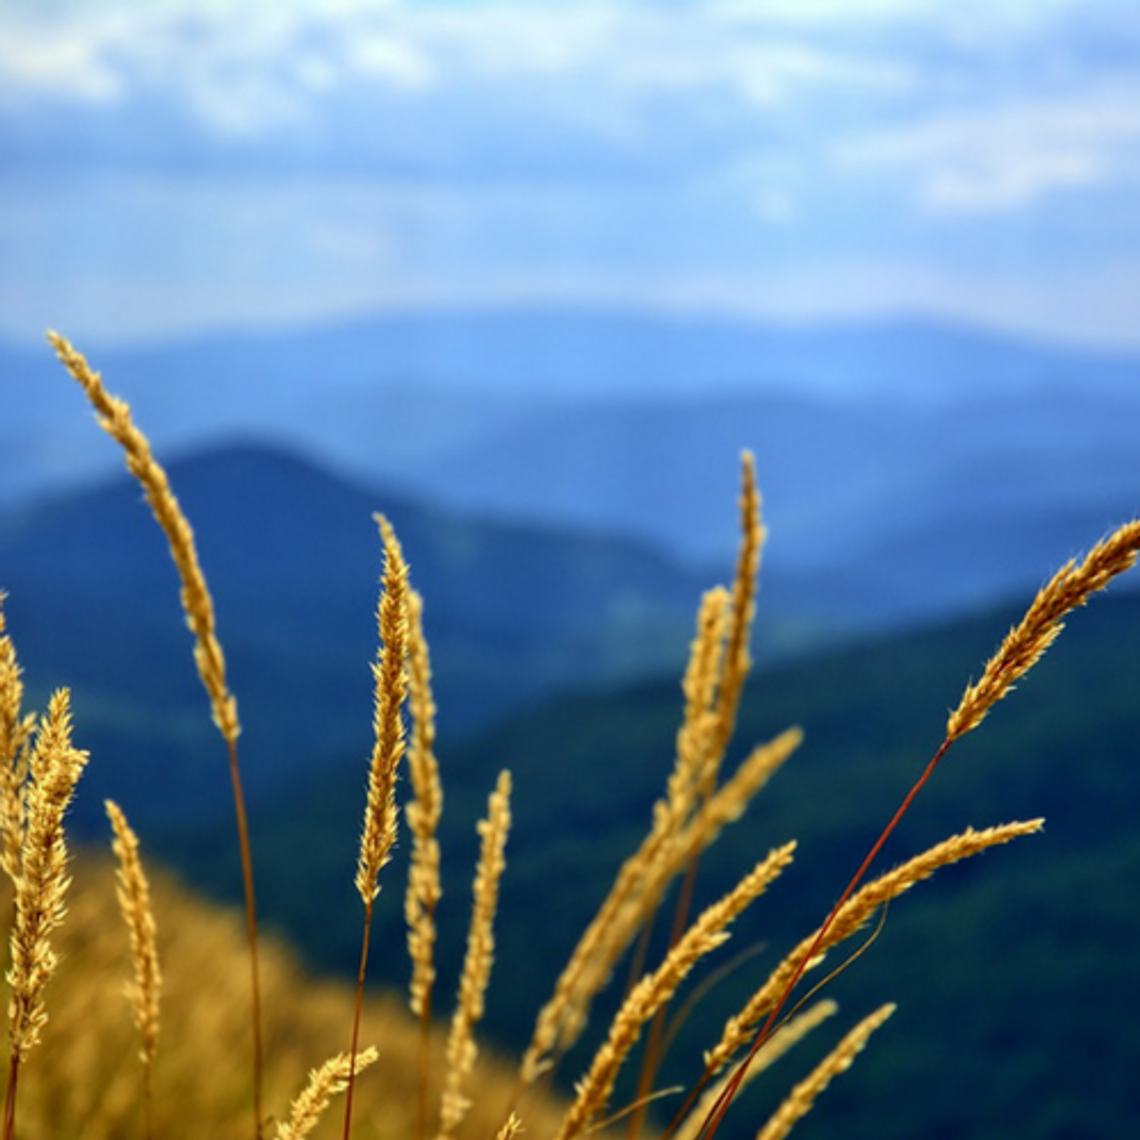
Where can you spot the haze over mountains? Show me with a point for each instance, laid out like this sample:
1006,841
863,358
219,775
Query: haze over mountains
293,559
998,966
908,469
893,504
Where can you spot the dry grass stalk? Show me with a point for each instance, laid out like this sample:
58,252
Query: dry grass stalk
729,802
511,1128
143,993
461,1050
737,657
562,1018
41,885
792,1033
1069,588
726,805
718,665
82,1082
850,918
783,1040
656,989
55,767
324,1083
714,728
702,676
16,730
114,416
690,815
591,963
390,678
804,1095
423,815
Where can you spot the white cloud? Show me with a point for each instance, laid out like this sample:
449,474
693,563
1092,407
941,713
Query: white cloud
266,60
67,65
259,57
764,69
642,152
1008,182
144,259
999,159
399,63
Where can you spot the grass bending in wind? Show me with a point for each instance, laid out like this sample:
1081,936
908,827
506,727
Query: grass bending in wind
419,1081
114,416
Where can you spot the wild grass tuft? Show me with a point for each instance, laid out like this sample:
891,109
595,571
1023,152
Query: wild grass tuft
114,416
40,883
480,956
415,1063
390,674
423,814
143,993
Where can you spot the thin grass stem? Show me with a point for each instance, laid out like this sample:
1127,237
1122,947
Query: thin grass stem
114,416
357,1011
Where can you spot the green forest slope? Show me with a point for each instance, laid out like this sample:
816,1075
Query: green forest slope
1013,974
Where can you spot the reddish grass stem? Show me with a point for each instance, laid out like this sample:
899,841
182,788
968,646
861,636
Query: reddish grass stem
114,416
654,1042
424,1068
358,1010
716,1114
251,931
10,1096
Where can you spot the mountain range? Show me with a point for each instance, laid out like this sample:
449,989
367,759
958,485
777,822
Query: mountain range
1010,972
910,469
293,559
516,616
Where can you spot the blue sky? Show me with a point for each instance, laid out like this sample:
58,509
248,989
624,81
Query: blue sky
171,167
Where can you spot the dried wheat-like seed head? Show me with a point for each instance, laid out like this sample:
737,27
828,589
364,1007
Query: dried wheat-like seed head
423,815
114,416
781,1041
461,1050
672,856
1069,588
324,1083
15,727
729,802
510,1129
695,736
16,730
55,767
718,665
390,675
803,1096
134,902
654,990
851,917
737,656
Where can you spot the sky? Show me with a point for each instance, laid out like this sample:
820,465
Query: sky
176,167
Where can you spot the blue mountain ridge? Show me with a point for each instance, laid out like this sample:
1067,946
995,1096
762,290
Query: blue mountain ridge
293,560
909,469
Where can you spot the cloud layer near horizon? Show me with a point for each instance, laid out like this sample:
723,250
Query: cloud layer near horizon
176,166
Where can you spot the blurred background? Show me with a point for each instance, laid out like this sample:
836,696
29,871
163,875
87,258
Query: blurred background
529,277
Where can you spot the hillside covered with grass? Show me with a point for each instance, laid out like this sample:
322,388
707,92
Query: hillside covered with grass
86,1080
974,967
998,968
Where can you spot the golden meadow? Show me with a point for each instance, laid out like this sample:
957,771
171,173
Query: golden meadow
193,1044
